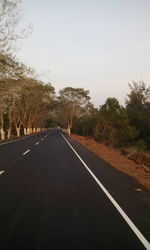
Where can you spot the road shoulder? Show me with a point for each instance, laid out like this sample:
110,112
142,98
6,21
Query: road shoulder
116,160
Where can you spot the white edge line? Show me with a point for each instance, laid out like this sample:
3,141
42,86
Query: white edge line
26,152
120,210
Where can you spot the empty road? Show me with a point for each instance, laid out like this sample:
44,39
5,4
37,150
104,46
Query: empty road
56,194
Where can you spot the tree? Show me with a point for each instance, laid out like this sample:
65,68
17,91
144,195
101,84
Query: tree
72,103
8,22
32,107
9,19
113,125
13,75
24,103
12,69
138,109
84,125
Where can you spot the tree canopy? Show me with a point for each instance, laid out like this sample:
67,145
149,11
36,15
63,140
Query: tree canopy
72,103
9,20
138,109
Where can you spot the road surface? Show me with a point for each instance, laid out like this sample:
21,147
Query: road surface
56,194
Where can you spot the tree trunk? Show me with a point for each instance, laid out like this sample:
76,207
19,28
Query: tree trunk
25,131
29,130
34,130
2,133
9,133
18,131
69,127
10,118
69,131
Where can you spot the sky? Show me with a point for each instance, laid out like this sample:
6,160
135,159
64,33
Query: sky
98,45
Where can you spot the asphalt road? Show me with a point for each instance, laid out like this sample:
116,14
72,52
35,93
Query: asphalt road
52,198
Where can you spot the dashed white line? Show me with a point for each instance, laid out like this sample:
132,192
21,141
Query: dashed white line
120,210
1,172
37,143
26,152
42,139
18,139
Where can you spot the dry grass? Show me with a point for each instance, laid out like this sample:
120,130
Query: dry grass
115,159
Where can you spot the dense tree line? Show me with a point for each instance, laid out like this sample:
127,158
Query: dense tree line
118,125
25,102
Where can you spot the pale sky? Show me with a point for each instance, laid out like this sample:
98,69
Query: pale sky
99,45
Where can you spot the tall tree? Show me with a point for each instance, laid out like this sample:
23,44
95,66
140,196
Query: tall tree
138,109
8,22
85,123
35,100
9,19
113,125
10,69
72,102
12,77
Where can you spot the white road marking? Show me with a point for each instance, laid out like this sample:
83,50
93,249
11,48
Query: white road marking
120,210
18,139
37,143
26,152
42,139
1,172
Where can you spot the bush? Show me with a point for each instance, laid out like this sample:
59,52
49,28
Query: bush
140,145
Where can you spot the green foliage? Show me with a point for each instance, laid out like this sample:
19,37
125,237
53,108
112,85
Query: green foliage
113,125
84,125
140,145
72,103
138,110
26,103
119,126
11,69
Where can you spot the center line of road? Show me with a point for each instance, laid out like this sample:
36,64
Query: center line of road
1,172
37,143
26,152
117,206
17,139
